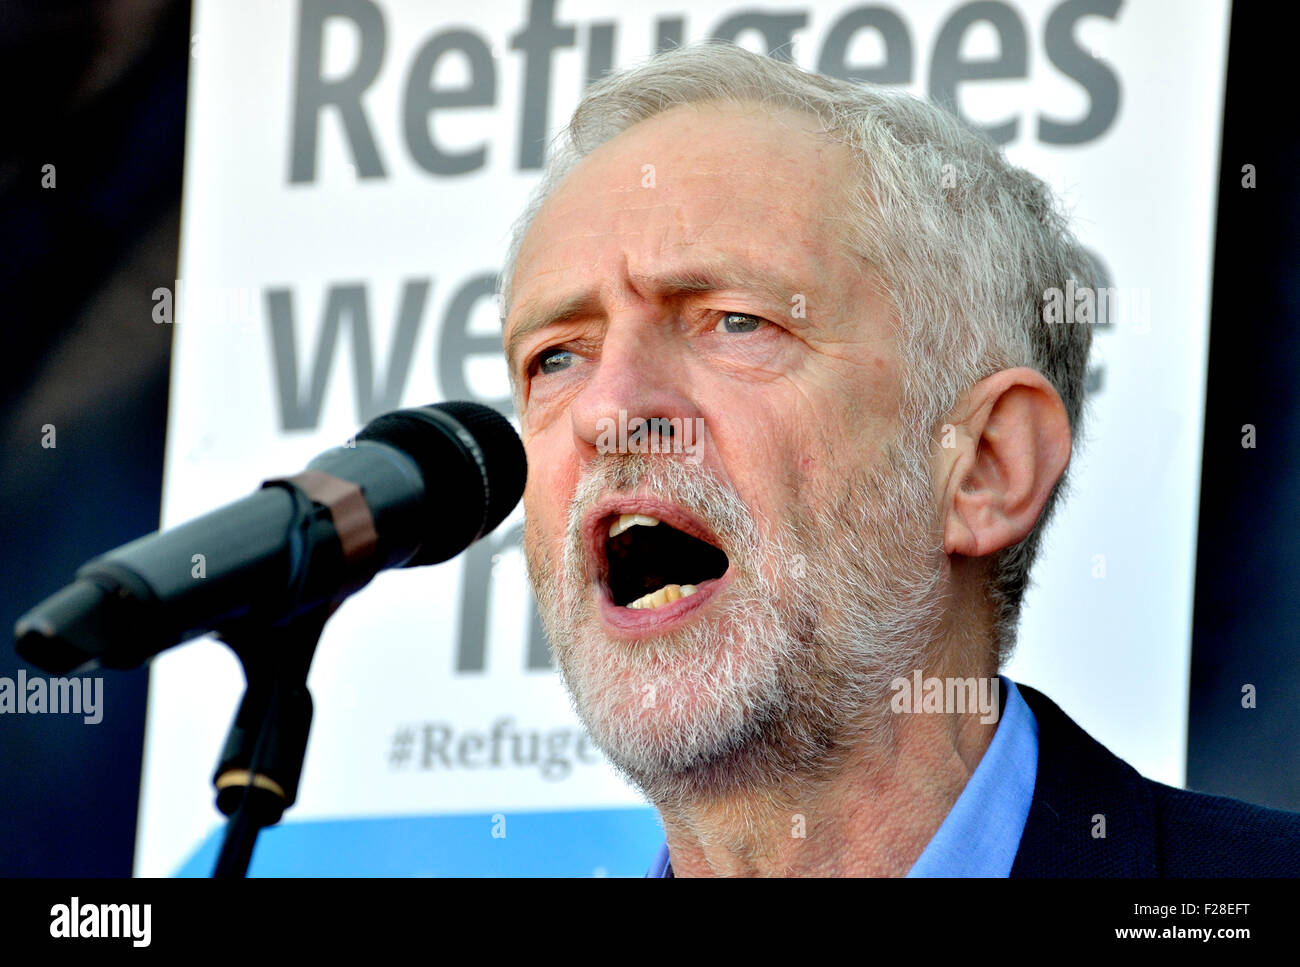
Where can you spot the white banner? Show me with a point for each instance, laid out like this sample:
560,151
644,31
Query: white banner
352,170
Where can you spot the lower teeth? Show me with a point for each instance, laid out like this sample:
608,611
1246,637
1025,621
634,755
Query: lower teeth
665,595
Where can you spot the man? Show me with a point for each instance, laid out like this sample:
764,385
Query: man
794,425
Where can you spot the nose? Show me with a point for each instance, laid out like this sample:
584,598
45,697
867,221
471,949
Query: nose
639,385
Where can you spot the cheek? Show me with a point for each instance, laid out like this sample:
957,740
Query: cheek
792,452
814,469
552,478
803,468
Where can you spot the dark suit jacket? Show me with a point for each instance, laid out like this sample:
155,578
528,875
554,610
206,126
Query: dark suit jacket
1151,829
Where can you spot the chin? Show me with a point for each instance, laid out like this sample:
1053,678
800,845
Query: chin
668,703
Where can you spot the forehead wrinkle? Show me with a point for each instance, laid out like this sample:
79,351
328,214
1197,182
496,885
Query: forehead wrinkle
712,275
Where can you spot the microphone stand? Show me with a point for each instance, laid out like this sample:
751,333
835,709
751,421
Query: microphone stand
261,762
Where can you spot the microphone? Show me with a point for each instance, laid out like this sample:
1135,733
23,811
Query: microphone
419,486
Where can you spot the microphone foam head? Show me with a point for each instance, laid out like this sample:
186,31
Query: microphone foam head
473,465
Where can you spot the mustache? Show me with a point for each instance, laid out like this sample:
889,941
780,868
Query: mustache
694,487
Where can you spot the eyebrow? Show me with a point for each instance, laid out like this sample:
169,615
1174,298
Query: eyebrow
544,316
723,275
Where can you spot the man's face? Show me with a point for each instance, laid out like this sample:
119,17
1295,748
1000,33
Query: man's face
694,269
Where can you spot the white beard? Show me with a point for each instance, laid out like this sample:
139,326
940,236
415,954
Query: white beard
771,685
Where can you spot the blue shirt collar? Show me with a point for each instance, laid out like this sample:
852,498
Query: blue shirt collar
981,834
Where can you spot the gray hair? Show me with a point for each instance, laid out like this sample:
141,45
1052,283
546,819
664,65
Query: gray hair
966,244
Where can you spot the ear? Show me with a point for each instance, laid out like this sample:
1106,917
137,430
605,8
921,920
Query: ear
1010,444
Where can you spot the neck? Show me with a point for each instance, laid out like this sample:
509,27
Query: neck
871,816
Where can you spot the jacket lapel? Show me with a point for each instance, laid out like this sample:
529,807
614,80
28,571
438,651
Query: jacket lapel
1092,813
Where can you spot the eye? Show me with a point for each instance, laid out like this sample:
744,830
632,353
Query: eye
736,322
553,360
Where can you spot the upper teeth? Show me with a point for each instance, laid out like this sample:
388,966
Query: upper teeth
630,520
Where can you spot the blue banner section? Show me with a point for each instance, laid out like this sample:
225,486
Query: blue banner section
590,842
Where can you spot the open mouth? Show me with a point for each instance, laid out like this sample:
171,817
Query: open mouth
649,563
